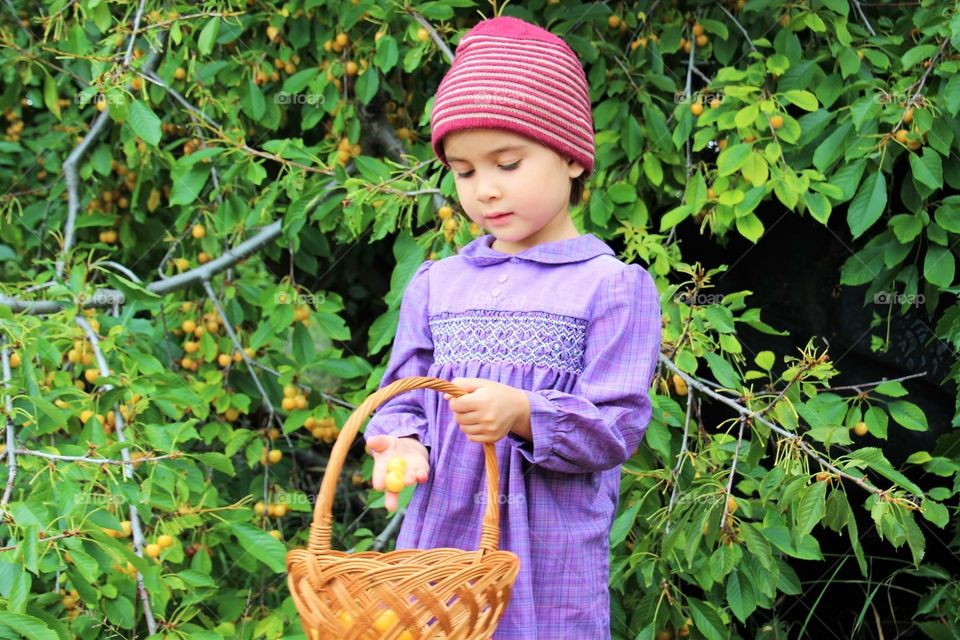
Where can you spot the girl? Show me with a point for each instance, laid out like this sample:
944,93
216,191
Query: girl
553,337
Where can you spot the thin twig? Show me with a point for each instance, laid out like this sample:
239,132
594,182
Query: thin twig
237,344
395,521
740,26
11,433
68,534
865,385
733,473
138,539
680,458
434,35
16,17
863,16
923,81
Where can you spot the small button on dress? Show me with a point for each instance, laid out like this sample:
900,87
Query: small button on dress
502,278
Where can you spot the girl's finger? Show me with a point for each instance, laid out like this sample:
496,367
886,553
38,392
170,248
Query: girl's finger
390,500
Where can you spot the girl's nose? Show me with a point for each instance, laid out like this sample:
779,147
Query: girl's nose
487,188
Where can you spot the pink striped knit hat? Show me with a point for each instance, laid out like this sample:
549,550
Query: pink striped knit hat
509,74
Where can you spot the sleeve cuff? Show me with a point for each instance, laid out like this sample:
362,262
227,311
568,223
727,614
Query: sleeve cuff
404,426
545,428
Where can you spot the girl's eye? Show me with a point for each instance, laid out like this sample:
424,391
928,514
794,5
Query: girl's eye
505,167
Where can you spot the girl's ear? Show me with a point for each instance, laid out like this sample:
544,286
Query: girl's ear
574,168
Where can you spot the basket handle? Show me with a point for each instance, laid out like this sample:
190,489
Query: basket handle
322,519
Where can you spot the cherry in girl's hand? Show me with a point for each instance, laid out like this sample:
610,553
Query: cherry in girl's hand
397,463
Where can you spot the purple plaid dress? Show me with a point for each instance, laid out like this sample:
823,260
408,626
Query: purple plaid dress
579,331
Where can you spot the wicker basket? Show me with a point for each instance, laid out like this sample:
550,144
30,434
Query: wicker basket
433,593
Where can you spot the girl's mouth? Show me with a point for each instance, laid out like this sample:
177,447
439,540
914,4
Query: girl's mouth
498,218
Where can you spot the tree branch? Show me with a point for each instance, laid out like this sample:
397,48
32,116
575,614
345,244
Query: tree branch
62,458
69,166
694,383
108,297
434,35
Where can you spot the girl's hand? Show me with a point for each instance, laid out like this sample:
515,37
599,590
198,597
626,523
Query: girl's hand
490,410
404,455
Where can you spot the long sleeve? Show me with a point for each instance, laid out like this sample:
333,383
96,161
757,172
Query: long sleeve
600,423
411,355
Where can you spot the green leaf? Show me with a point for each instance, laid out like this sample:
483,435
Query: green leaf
298,81
908,415
740,595
951,94
26,626
917,54
812,507
652,169
367,85
187,187
927,169
674,217
722,370
877,422
732,158
750,227
707,620
837,6
906,227
372,169
623,524
868,204
196,579
818,205
253,103
261,545
622,193
947,214
387,54
890,388
832,147
633,140
50,97
849,62
145,123
19,586
216,460
765,360
720,318
803,99
755,169
939,266
382,331
746,116
863,110
935,512
874,459
208,36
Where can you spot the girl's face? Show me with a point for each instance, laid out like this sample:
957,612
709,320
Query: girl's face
497,172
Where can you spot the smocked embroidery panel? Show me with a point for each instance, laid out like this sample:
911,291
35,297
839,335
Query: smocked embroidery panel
515,337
